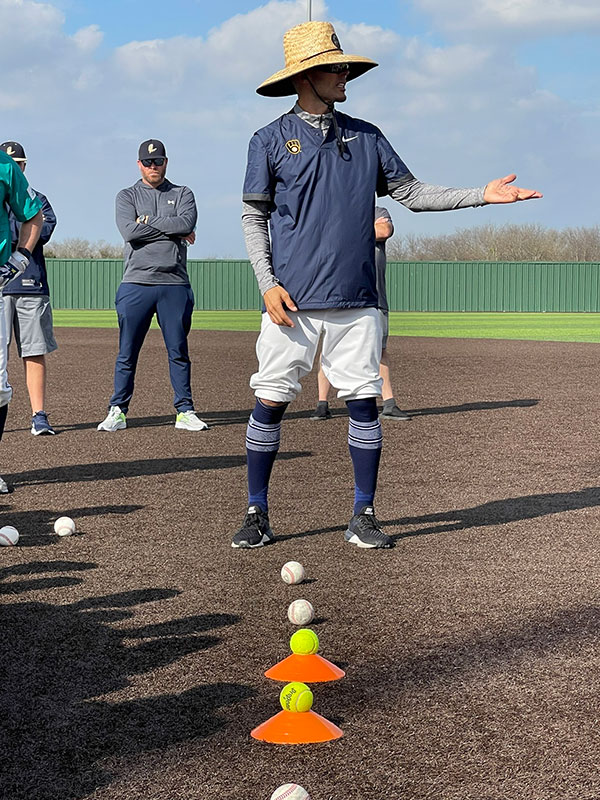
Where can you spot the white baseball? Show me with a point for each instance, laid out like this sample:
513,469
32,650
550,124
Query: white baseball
292,572
301,612
9,536
290,791
64,526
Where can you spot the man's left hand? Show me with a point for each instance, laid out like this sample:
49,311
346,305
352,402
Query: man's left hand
190,238
501,191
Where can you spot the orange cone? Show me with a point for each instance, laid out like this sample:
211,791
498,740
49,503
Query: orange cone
309,669
289,727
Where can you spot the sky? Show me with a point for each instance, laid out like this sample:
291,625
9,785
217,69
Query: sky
466,91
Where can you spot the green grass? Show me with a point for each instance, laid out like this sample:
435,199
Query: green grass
202,320
542,327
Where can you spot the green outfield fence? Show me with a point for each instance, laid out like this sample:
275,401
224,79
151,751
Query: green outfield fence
412,286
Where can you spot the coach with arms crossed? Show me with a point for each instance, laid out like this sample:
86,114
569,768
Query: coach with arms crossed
314,173
156,219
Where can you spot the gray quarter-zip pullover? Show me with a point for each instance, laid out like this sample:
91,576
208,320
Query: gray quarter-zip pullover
155,252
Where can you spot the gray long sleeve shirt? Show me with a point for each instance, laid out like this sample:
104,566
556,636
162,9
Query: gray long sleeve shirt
155,252
413,194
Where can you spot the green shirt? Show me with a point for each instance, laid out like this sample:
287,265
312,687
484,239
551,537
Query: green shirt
19,196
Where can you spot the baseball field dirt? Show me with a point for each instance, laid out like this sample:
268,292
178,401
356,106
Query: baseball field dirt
133,653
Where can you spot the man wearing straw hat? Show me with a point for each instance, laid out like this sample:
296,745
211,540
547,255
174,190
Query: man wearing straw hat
313,174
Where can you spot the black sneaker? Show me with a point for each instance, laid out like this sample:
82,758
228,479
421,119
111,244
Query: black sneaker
365,531
321,412
256,531
395,413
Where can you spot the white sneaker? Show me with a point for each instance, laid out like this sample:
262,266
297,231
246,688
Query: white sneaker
190,421
3,487
115,421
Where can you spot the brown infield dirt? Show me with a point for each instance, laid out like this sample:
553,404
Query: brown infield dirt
133,653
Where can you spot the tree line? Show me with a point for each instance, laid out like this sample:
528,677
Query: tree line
484,243
499,243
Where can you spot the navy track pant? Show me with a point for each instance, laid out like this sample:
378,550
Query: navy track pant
136,304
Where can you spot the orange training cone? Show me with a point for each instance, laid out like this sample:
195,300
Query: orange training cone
296,724
309,669
304,664
289,727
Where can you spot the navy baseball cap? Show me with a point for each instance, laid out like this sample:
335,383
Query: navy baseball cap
14,150
152,148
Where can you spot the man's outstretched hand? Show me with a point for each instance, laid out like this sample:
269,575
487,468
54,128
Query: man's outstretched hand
501,191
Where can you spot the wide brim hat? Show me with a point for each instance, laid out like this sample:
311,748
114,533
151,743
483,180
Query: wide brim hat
312,44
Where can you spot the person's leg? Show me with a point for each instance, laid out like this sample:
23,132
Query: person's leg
34,338
285,355
5,387
387,393
135,305
35,378
174,308
390,408
351,356
262,445
322,411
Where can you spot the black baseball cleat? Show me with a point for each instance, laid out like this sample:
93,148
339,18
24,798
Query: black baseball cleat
365,531
255,531
395,413
321,412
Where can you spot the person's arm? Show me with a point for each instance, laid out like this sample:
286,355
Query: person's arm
255,224
30,233
129,228
182,223
49,220
419,196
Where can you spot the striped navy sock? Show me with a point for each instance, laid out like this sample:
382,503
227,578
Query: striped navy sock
262,444
365,442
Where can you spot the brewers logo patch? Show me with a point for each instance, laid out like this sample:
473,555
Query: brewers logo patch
336,41
293,146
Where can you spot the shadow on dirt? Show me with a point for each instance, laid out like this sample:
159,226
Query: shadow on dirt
60,664
115,470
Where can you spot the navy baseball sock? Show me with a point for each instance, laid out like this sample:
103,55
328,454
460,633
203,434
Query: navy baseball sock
364,442
262,444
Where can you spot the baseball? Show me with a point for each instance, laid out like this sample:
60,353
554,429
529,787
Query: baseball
290,791
292,572
64,526
9,536
296,697
304,642
300,612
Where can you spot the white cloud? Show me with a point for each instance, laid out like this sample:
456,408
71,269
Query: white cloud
528,17
88,39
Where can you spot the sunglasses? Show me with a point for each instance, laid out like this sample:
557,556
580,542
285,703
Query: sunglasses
147,162
335,68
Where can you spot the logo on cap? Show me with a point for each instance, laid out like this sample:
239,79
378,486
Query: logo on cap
293,146
336,41
10,151
151,148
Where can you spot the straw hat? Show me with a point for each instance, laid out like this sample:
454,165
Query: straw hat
311,44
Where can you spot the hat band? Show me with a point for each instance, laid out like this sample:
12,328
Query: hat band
322,53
